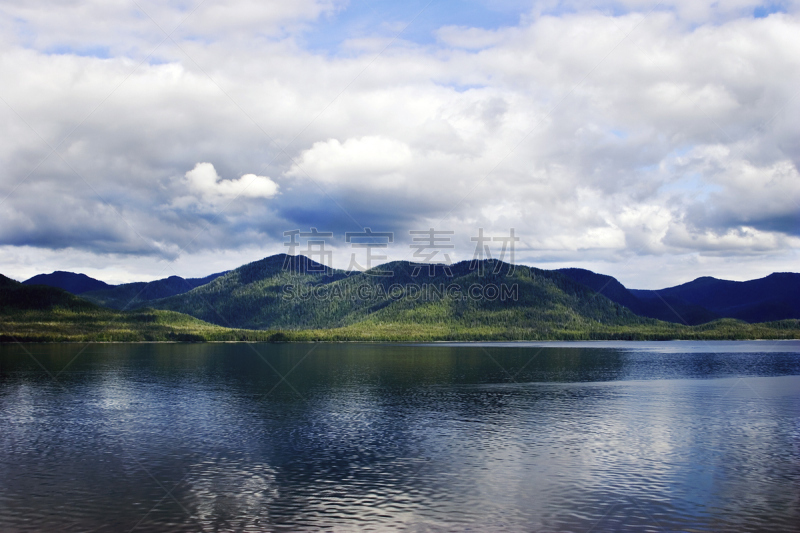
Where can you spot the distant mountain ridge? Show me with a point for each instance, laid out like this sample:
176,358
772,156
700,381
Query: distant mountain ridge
250,296
16,296
550,307
126,295
138,294
774,297
661,307
69,281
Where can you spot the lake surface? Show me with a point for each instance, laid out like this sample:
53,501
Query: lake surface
661,436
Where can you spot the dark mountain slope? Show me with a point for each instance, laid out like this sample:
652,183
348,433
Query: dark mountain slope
15,296
69,281
139,294
660,306
605,285
774,297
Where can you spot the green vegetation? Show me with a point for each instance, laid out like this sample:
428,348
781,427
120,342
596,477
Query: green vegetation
263,295
61,325
725,329
102,325
37,313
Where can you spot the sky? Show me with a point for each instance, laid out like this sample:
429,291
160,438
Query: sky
656,142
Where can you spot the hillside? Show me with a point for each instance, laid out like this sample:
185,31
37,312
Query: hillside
16,296
251,296
308,302
139,294
774,297
38,313
255,297
69,281
262,295
653,304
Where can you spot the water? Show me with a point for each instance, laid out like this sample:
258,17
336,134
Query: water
600,436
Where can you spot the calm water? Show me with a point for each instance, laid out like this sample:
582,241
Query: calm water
337,437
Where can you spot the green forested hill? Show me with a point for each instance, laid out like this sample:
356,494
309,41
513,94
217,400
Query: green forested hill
40,313
307,301
262,301
263,295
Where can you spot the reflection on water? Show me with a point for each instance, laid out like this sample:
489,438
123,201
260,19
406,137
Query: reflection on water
536,437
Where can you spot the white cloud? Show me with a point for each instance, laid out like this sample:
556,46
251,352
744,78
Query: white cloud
208,187
371,161
136,29
646,134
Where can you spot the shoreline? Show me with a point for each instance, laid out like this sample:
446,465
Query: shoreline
24,342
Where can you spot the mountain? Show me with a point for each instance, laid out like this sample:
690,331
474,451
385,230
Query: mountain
69,281
401,300
307,295
653,304
602,284
775,297
16,296
38,313
7,282
309,302
139,294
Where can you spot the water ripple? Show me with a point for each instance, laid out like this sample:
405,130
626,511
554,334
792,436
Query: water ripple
190,438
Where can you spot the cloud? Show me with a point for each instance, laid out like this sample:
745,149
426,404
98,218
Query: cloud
371,161
137,29
204,182
759,197
600,132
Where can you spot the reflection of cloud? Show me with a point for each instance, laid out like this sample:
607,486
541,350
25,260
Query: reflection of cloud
245,488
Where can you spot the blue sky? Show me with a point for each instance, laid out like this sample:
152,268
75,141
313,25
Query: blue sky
417,21
414,21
